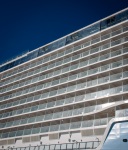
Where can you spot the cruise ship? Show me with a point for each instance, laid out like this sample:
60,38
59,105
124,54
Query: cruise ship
70,94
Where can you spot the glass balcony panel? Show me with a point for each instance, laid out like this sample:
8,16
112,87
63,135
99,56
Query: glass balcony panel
46,59
75,125
103,57
57,146
15,103
73,77
71,88
32,89
66,69
31,120
103,80
88,123
3,106
41,147
69,100
125,88
89,109
16,122
92,83
97,122
24,121
83,63
82,145
39,118
27,131
81,85
89,145
14,112
39,87
45,95
79,98
103,121
116,32
19,133
5,135
44,129
55,82
68,51
6,114
2,125
93,71
120,113
74,67
52,93
57,72
42,106
66,60
49,75
105,46
54,127
57,115
41,77
125,61
95,144
87,44
67,113
12,134
75,57
62,80
52,147
31,148
95,40
125,74
58,63
51,66
93,60
61,54
113,43
116,90
59,102
36,130
77,48
34,108
61,91
27,110
51,104
116,76
9,124
20,111
116,53
125,50
86,53
53,57
106,36
94,50
37,97
48,116
29,99
105,67
64,126
78,111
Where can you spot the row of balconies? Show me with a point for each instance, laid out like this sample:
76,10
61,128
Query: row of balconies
68,111
69,51
99,93
82,63
108,78
56,128
66,88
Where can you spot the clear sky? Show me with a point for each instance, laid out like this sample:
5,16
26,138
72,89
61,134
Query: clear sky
28,24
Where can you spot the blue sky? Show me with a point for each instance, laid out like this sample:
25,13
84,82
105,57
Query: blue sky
28,24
